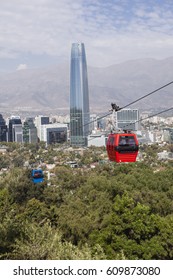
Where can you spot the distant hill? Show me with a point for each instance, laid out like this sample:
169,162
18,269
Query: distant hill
46,89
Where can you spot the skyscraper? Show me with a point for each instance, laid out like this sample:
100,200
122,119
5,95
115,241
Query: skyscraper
15,129
79,96
29,131
3,130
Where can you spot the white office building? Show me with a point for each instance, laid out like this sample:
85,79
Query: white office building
128,119
17,133
39,122
97,140
54,133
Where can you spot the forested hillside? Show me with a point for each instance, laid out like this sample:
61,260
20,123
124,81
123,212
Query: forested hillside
115,211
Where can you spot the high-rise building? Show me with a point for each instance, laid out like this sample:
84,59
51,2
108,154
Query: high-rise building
168,135
79,96
15,129
17,133
39,121
128,119
29,131
3,130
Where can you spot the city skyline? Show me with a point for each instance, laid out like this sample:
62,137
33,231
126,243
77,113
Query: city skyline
39,33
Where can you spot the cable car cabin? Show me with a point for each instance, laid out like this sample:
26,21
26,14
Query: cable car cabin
37,175
122,147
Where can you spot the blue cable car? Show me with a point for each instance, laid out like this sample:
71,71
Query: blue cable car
37,176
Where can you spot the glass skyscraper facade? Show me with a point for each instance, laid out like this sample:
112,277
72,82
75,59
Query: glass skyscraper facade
13,122
79,96
29,131
3,130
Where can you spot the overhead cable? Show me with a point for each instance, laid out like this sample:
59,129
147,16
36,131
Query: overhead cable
156,114
131,103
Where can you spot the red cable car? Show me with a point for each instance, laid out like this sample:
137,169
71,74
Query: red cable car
122,147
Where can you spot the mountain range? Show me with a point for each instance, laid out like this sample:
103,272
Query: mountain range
48,88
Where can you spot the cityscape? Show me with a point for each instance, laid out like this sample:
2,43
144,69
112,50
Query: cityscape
86,138
82,128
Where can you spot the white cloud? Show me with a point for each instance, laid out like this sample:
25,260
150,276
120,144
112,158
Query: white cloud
113,31
22,67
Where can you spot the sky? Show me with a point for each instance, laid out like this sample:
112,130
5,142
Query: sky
38,33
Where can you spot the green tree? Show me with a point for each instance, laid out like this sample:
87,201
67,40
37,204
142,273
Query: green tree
44,243
129,229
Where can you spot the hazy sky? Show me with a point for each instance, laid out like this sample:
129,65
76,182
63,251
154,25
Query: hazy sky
37,33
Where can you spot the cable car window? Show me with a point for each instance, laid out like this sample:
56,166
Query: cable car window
123,140
38,175
131,141
126,140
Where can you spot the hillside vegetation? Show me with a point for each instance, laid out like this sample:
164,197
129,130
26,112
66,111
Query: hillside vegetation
114,211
